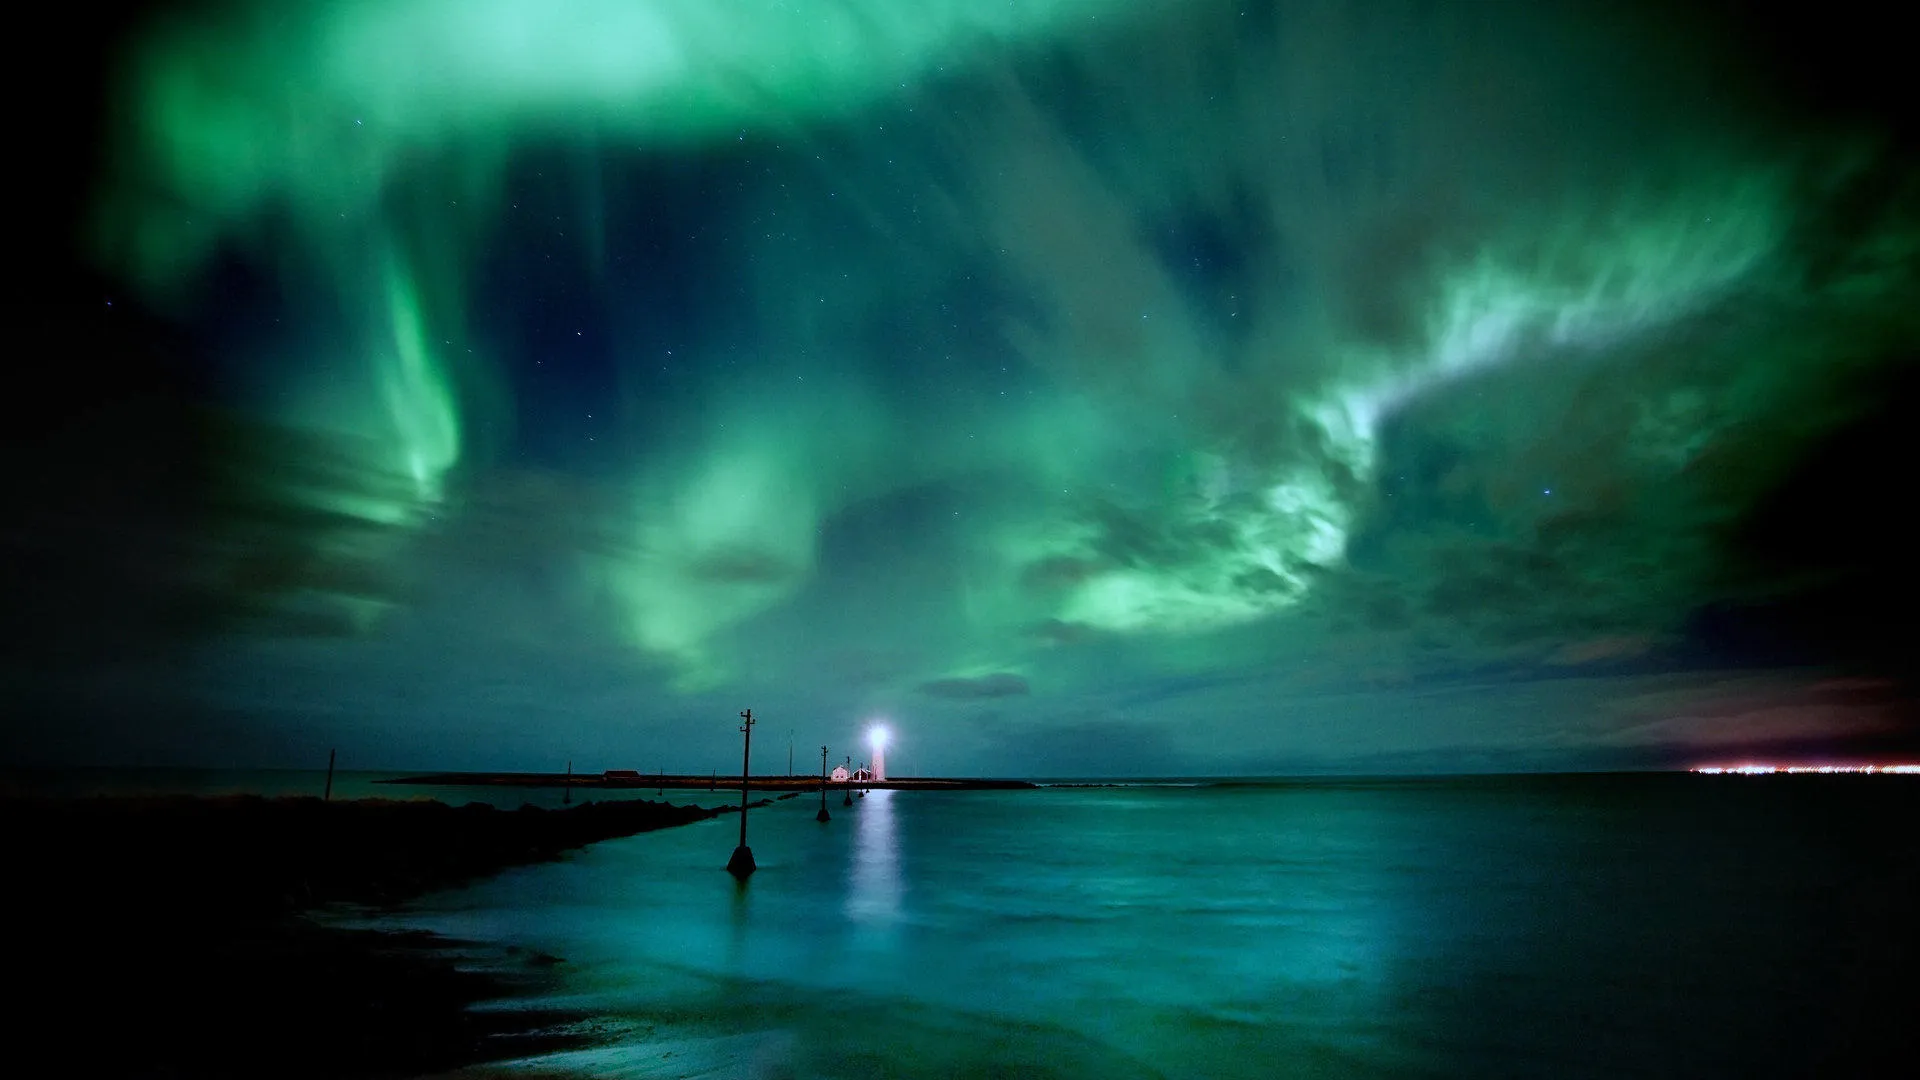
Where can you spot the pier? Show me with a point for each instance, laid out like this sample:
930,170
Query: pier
623,779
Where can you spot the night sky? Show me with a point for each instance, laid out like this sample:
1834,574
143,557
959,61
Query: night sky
1087,387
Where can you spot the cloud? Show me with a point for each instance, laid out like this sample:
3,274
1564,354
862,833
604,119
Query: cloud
1082,744
1593,650
1756,711
997,685
1758,727
744,566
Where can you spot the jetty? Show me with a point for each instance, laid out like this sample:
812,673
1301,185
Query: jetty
624,779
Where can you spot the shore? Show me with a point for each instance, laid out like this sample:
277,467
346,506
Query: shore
163,937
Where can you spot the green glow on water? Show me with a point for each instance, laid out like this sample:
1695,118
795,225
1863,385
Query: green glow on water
1343,928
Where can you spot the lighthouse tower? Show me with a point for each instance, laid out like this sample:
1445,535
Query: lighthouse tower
877,738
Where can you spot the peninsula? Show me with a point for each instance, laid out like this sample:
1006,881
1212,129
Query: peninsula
620,779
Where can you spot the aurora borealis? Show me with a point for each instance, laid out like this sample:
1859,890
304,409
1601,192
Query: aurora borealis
1088,386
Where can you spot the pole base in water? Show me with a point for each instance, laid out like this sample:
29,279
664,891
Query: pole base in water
741,864
823,816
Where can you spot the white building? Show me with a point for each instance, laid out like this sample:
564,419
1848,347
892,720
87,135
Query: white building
839,775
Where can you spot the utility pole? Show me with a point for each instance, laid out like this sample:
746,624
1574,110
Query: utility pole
849,799
328,797
741,864
789,751
823,816
567,798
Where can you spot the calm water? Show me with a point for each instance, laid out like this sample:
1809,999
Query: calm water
1601,926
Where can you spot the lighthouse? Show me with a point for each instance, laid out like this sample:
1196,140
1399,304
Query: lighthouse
877,738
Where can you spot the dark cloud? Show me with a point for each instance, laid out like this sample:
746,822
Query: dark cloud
998,685
744,566
1596,650
1083,745
1061,632
1754,713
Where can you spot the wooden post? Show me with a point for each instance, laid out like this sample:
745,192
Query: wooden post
741,864
823,816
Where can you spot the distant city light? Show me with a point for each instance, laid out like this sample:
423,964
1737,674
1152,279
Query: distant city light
1763,770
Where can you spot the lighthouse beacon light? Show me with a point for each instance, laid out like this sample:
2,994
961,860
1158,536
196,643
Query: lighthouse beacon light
877,739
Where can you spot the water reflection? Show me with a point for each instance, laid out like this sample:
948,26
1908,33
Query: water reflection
874,895
741,916
1551,926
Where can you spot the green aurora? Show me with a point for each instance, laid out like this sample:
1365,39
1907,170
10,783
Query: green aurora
1159,387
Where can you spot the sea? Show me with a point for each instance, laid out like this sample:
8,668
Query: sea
1550,926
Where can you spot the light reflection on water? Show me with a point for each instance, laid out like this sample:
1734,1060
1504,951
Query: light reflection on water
1333,929
873,893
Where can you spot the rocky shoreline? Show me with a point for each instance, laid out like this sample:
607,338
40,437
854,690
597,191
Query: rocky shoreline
175,937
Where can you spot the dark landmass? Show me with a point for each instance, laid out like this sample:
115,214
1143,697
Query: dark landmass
622,780
174,937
